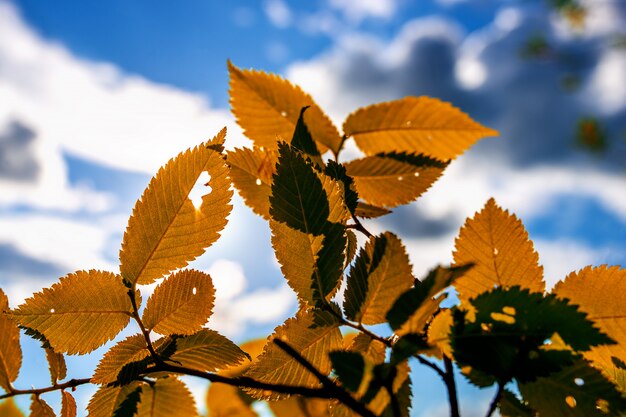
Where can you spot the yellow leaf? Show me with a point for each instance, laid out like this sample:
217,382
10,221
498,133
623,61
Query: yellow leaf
131,349
254,349
371,349
275,366
380,274
369,211
599,292
392,179
167,397
10,350
498,246
297,406
79,313
206,351
439,334
382,400
181,304
228,401
9,409
267,107
414,124
40,408
68,405
251,171
56,365
166,230
109,401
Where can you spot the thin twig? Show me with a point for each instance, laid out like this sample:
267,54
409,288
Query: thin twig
72,383
359,226
146,334
496,400
451,387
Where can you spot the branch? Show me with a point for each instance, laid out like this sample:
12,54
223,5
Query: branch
451,387
359,226
496,400
72,383
146,334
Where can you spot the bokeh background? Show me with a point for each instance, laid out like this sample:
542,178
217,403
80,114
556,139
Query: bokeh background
95,96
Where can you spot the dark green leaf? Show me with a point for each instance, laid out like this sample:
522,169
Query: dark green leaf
303,141
408,346
349,368
338,172
511,406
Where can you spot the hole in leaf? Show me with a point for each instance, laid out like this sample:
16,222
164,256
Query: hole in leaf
495,251
486,327
400,178
408,123
194,291
417,174
200,189
602,405
579,381
52,310
509,310
258,181
283,113
571,401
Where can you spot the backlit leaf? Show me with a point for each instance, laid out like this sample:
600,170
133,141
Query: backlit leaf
511,406
79,313
308,232
304,143
181,304
275,366
577,391
10,350
392,179
351,248
56,365
251,171
414,308
40,408
8,408
206,351
68,405
166,230
600,293
297,406
414,124
228,401
498,246
338,172
109,401
380,274
368,211
349,368
438,333
267,107
119,358
373,350
167,397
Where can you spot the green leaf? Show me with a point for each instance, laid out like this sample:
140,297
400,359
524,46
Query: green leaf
511,406
206,351
308,226
408,346
506,337
10,350
181,304
380,274
303,141
349,368
578,391
414,307
167,397
393,179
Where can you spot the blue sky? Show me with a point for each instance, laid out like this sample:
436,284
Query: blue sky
95,96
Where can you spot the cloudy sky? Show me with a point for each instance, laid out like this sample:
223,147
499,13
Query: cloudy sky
95,96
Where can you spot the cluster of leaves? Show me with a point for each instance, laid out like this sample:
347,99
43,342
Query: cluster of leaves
557,353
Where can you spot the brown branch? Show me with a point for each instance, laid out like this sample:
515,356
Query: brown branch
496,400
72,383
146,334
448,379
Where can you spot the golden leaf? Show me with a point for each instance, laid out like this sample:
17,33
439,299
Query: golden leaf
108,401
371,349
68,405
228,401
9,409
79,313
206,351
390,180
56,365
166,231
40,408
498,246
439,334
414,124
267,107
10,350
298,406
167,397
181,304
275,366
369,211
380,274
131,349
599,292
251,171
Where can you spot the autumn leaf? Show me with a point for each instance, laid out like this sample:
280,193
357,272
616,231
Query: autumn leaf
228,401
10,350
251,171
120,357
114,401
368,211
167,397
438,334
298,406
181,304
8,408
56,365
166,231
393,179
304,143
600,293
79,313
40,408
276,367
267,107
380,274
416,125
68,405
498,246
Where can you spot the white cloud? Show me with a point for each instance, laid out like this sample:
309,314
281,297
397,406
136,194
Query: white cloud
357,10
278,12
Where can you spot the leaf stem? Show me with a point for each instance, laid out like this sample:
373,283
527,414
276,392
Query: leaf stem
358,226
496,400
72,383
448,379
146,334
